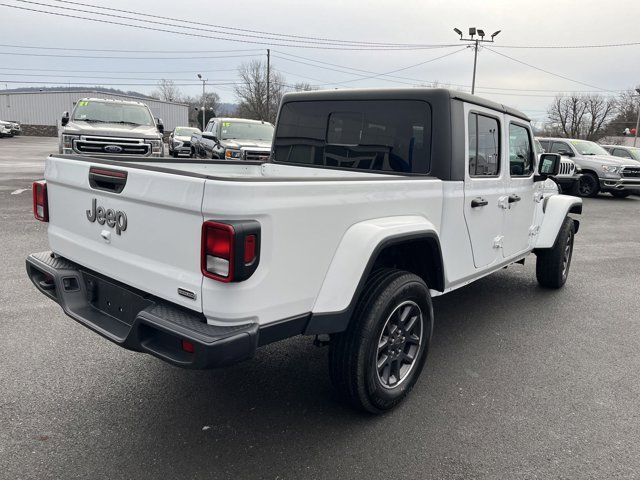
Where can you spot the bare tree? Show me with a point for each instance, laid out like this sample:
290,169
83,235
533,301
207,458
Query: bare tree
167,91
212,105
626,113
304,87
252,91
580,116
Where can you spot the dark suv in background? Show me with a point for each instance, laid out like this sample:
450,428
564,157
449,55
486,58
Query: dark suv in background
233,139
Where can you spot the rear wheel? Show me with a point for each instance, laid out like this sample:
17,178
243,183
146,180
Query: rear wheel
589,185
376,362
552,264
619,194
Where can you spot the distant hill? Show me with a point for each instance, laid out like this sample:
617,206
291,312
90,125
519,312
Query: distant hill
66,88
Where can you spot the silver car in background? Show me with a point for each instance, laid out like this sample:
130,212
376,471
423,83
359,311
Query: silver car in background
180,141
601,172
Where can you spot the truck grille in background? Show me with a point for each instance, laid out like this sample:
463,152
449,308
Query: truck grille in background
129,146
257,156
631,172
186,144
566,168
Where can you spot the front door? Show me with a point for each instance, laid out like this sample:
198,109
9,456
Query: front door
519,215
484,186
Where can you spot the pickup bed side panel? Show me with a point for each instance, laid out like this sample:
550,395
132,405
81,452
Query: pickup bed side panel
354,252
556,209
302,225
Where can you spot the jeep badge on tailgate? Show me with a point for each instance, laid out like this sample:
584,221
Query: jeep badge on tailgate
111,217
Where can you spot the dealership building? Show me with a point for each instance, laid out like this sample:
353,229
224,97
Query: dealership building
39,113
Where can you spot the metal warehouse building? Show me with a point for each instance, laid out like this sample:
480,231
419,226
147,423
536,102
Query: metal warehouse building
40,112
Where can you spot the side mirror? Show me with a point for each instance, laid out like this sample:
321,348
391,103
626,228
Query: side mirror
65,118
160,125
549,166
210,136
566,153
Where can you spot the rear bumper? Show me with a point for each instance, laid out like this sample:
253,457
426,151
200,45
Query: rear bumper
137,321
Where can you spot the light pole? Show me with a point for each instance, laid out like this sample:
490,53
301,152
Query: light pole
203,100
475,42
635,139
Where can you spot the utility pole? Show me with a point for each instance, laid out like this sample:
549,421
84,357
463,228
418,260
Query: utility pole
474,43
635,139
268,82
203,101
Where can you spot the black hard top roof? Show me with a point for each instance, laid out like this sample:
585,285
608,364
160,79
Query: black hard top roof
426,94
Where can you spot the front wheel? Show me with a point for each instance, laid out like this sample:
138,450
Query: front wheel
376,362
552,264
589,185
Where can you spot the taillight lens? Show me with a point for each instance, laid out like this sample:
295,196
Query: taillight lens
217,255
230,250
40,202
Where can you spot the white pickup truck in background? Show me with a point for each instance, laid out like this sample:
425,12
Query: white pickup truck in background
373,202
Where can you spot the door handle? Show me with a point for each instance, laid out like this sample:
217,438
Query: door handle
478,202
514,198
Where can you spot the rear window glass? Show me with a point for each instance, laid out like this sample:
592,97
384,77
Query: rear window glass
372,135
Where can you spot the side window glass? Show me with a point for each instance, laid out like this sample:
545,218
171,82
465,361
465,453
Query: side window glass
558,147
484,146
520,152
619,152
545,145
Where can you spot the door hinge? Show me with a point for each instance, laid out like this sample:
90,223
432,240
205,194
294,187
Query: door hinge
497,242
534,230
538,197
503,202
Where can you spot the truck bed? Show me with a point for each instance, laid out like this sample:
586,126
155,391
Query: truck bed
304,213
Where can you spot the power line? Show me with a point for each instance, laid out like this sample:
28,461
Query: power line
546,71
55,55
304,44
568,47
289,37
107,78
42,47
108,84
116,71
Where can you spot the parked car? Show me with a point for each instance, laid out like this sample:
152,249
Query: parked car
374,201
233,139
623,151
111,127
16,128
601,172
180,140
569,177
5,129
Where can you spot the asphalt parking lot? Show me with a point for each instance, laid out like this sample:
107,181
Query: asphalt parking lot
520,383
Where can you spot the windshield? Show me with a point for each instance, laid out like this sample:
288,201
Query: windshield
635,153
588,148
92,111
185,131
246,131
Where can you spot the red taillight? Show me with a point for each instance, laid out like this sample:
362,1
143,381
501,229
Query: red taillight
188,347
249,249
217,251
40,202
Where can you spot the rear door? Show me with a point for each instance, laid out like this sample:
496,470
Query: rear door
146,236
519,214
484,186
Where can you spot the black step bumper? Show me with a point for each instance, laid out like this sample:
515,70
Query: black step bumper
137,321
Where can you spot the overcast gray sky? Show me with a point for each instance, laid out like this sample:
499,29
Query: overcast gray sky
544,22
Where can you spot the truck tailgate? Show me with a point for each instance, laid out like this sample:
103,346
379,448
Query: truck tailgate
159,249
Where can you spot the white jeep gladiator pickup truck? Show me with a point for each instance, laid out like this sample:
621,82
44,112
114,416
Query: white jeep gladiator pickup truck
373,202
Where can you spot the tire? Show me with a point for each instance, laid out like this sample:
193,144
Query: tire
619,194
174,154
589,185
552,264
395,309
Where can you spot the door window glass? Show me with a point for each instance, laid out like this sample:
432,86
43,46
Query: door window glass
559,147
520,151
484,146
619,152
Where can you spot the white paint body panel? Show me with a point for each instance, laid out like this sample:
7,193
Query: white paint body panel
319,228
